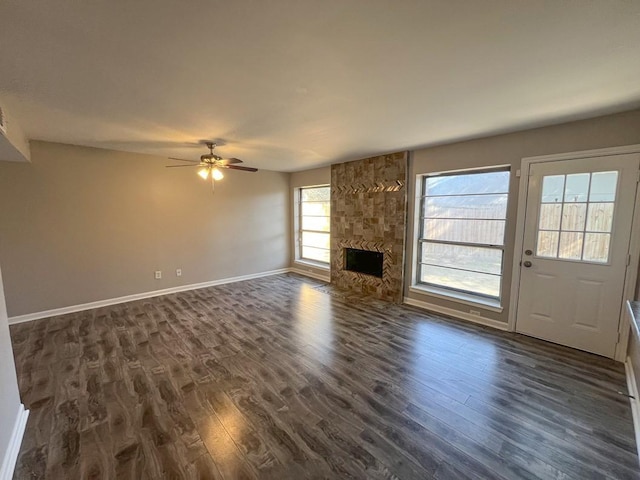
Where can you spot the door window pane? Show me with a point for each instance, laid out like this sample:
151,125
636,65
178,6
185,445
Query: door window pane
547,244
552,189
603,186
570,245
550,214
573,216
596,247
576,187
600,217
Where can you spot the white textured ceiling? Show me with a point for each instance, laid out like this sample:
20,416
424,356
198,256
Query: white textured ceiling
292,84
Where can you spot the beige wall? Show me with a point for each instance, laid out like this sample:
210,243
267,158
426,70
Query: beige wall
306,178
309,178
9,397
608,131
81,224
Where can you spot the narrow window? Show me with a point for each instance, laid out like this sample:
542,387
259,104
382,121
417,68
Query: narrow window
313,224
462,228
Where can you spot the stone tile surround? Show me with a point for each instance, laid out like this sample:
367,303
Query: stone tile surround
369,212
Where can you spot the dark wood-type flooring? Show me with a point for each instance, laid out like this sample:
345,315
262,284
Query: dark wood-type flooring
285,378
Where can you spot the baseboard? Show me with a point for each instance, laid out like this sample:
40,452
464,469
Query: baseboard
139,296
455,313
632,388
11,455
312,274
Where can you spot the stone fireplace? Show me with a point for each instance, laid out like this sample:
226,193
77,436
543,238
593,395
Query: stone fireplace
369,212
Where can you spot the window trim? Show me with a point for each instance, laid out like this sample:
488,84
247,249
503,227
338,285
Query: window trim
298,228
450,293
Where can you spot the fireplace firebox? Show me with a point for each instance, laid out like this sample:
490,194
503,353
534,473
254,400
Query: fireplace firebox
363,261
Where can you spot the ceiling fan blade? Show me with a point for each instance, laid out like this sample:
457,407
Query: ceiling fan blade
176,166
234,167
229,161
183,160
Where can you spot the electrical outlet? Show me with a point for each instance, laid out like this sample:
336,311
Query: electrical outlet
475,312
158,274
178,272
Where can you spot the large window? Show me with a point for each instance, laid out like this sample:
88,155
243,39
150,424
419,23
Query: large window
461,237
313,223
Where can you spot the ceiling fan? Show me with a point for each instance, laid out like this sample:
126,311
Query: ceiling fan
210,165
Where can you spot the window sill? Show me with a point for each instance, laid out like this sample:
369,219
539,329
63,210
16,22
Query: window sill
311,263
458,297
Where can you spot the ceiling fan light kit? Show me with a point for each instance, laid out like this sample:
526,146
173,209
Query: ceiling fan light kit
216,174
210,165
204,173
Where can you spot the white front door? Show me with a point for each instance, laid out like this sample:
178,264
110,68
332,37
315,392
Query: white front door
576,249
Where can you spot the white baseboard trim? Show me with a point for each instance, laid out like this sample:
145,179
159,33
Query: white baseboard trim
456,313
632,388
310,273
139,296
11,455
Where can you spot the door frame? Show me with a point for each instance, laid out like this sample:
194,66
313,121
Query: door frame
634,244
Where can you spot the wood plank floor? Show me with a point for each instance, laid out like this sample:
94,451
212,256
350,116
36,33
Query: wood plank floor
285,378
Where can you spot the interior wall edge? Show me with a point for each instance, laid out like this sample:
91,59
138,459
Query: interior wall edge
11,454
14,144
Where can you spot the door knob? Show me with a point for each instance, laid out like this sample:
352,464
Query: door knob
527,264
